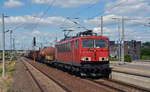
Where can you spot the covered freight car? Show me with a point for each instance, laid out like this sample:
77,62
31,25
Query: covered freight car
34,55
47,54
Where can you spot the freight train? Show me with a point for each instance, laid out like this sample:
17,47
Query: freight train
86,54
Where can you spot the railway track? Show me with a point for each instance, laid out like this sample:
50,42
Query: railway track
78,84
130,85
119,86
34,78
48,76
129,73
115,86
132,77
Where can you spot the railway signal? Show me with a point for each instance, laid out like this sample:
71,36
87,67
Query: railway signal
34,41
34,44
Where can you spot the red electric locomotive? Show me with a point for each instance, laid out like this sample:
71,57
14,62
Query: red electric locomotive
84,54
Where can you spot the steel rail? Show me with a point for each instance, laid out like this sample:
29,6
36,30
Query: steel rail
35,80
140,75
120,83
129,85
107,85
50,77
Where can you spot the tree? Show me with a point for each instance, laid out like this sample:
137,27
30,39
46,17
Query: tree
145,51
128,58
146,45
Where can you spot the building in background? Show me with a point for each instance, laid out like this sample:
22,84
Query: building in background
113,49
131,48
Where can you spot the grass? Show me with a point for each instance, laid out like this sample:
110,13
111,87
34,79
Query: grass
145,57
10,68
0,56
5,83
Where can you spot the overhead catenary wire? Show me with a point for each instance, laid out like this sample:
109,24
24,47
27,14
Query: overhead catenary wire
79,12
83,10
96,14
74,22
102,12
133,19
45,12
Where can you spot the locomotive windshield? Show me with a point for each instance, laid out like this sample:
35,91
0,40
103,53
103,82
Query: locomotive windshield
94,43
100,43
88,43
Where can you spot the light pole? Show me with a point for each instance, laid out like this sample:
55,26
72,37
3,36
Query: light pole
101,25
122,39
3,45
11,40
119,54
13,45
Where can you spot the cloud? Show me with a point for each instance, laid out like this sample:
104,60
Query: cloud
141,35
105,30
43,27
13,3
36,32
30,22
112,33
128,7
67,3
107,20
112,20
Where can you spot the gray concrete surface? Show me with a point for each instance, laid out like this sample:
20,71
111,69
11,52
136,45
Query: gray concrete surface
142,66
135,80
139,69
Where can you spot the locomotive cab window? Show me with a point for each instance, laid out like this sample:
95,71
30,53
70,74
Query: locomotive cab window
94,43
87,43
99,43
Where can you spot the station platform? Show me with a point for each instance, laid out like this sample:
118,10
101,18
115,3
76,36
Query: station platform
135,67
136,73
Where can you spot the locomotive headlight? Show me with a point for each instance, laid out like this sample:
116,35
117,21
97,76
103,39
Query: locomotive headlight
83,58
86,58
100,58
103,59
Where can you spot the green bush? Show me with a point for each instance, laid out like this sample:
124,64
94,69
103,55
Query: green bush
145,57
113,59
0,55
128,58
145,52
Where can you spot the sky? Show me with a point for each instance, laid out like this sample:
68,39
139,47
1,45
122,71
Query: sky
45,19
